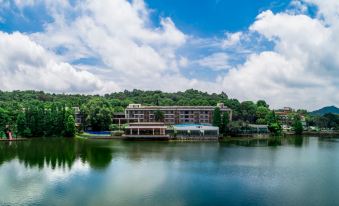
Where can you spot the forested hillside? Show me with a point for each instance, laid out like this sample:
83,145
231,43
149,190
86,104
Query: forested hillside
36,113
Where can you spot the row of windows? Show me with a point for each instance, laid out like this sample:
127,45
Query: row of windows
168,112
173,117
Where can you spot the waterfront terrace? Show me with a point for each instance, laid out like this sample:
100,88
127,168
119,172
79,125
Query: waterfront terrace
175,114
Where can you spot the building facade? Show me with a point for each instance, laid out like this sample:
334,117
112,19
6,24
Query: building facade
175,114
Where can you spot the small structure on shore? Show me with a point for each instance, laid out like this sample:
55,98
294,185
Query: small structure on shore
195,131
259,129
158,130
146,130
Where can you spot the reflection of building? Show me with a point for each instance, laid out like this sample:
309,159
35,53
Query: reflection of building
175,114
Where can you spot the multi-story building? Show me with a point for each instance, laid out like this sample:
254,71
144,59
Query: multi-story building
175,114
284,115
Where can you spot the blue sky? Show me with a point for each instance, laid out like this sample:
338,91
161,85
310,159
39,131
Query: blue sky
213,17
250,49
204,17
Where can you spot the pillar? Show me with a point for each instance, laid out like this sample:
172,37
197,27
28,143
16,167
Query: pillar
153,132
138,131
131,132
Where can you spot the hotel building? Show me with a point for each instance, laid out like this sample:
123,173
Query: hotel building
175,114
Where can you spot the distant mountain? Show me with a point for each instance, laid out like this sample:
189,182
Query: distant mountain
325,110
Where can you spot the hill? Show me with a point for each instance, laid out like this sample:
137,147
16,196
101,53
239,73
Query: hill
325,110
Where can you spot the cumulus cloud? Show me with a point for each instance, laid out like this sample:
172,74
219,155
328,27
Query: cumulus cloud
299,69
26,65
231,39
327,10
129,47
132,53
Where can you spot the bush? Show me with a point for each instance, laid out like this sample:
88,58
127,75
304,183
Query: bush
118,133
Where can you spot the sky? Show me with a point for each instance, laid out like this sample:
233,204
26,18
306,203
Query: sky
282,51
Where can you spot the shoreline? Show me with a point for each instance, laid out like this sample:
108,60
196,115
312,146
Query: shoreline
191,139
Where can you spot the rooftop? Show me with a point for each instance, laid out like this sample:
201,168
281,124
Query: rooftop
139,106
193,127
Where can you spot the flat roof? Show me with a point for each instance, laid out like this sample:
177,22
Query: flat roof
264,126
176,107
146,127
194,127
146,123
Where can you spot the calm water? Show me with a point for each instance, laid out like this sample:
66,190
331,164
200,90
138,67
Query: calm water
300,171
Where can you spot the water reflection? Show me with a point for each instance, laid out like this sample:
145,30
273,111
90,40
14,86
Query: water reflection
297,141
61,153
78,172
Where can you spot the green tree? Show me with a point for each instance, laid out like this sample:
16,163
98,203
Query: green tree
159,116
261,114
70,128
262,103
273,123
98,114
27,132
4,120
224,123
297,125
40,121
48,122
21,124
217,117
332,120
248,111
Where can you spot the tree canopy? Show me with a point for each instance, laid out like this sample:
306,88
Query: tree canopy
36,113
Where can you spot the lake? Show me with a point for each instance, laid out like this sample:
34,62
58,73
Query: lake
293,171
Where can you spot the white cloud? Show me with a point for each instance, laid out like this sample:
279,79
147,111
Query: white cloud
298,7
24,3
299,71
328,10
131,48
216,61
26,65
183,62
231,39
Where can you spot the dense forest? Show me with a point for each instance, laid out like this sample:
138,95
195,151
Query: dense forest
36,113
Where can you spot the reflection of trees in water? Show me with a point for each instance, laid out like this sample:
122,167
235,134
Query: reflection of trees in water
297,141
56,153
7,153
169,151
136,151
97,155
274,141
